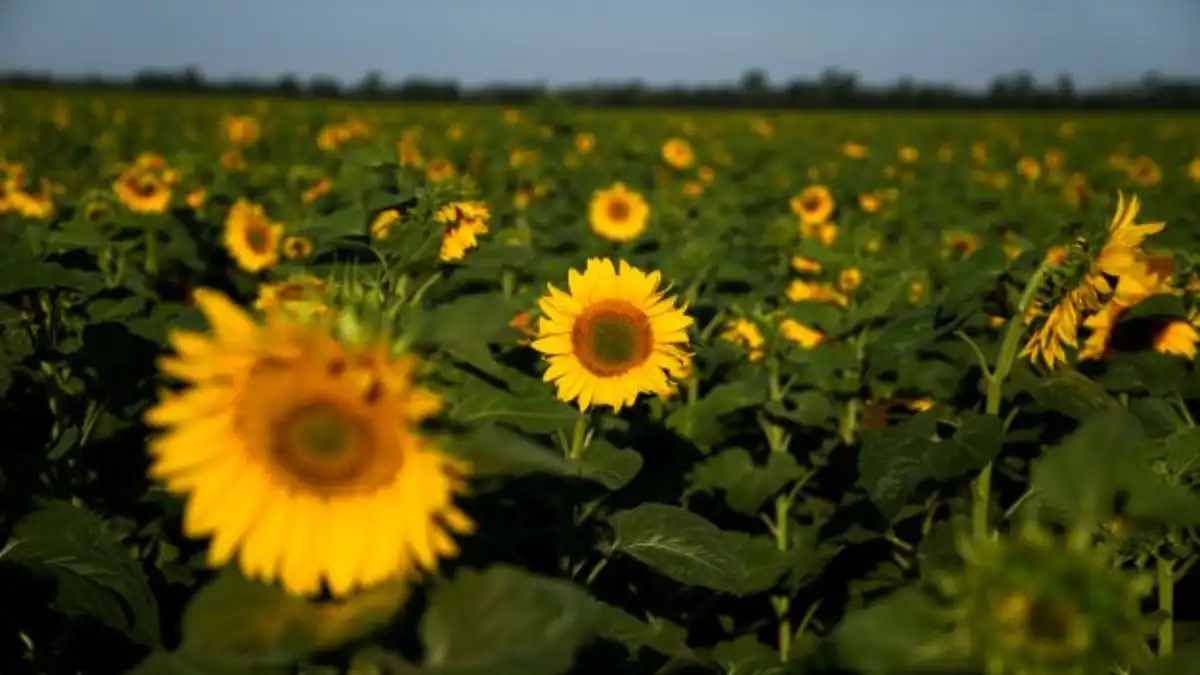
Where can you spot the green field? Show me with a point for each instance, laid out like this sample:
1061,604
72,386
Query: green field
329,387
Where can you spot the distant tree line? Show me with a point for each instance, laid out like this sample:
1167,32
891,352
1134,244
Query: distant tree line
833,89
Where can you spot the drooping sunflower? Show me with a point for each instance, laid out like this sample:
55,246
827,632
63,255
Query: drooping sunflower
301,456
1120,273
463,223
618,214
612,336
252,238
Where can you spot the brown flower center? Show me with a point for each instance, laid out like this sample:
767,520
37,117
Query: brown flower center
619,209
612,337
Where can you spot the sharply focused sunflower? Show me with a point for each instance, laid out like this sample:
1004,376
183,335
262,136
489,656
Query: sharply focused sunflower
618,214
301,456
462,222
252,238
612,336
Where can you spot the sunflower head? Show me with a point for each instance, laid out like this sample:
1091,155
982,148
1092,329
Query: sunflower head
612,336
301,455
1032,603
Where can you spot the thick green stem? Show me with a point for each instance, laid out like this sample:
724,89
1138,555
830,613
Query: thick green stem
1164,570
1009,348
578,439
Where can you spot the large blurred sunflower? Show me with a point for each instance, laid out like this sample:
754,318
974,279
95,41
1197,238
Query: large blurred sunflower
301,455
618,214
613,336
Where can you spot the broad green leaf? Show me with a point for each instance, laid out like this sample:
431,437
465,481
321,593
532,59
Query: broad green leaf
894,461
481,317
889,636
1064,391
678,544
505,621
747,656
745,483
1143,372
494,450
634,634
608,465
701,422
95,575
1179,453
1103,463
345,222
234,620
24,271
530,406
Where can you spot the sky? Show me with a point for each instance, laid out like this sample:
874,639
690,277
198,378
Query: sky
962,42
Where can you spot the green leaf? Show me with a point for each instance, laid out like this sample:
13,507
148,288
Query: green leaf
679,544
634,634
894,461
496,451
1102,463
1179,453
529,406
24,271
1182,662
746,484
1063,391
747,656
95,575
345,222
238,621
1143,372
608,465
701,422
505,621
887,637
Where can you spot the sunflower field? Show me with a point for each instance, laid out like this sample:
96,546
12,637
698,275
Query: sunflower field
331,388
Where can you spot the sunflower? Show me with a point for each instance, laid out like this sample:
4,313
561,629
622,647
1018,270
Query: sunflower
814,206
295,248
584,142
613,336
251,238
301,456
142,191
300,295
744,332
381,224
678,153
1194,169
807,291
956,244
439,170
1177,338
241,129
618,214
463,222
801,335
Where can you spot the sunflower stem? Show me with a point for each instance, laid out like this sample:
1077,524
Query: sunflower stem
1009,347
578,439
151,264
433,279
1166,604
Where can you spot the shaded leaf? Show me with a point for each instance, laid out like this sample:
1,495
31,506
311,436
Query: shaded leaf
95,575
745,483
503,621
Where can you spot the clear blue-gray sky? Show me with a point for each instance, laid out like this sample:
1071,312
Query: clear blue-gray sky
965,42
